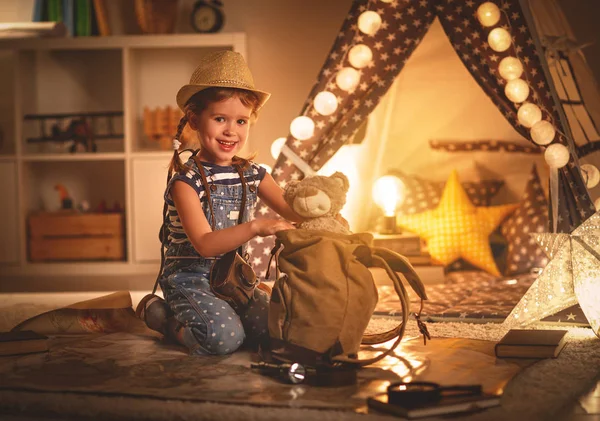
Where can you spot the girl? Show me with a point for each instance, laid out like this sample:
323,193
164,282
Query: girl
218,104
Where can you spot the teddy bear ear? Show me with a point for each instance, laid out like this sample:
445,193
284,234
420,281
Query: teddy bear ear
342,179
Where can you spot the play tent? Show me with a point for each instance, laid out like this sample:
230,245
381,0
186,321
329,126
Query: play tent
416,95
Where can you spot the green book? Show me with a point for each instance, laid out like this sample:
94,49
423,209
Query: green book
55,11
83,18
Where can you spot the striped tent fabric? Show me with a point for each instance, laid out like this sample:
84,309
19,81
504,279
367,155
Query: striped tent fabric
404,24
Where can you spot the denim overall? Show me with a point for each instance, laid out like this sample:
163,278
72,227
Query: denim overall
210,325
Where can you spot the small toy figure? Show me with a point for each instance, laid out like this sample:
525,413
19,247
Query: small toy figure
65,199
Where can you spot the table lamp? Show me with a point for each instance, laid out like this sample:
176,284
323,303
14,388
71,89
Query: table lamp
388,194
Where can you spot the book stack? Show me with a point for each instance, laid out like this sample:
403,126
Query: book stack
81,17
407,244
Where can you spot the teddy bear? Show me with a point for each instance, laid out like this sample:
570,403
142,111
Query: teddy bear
319,200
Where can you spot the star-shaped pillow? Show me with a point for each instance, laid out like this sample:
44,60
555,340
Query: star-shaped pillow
531,217
458,229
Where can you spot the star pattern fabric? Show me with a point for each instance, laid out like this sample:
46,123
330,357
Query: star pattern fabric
404,24
572,276
523,252
421,195
458,229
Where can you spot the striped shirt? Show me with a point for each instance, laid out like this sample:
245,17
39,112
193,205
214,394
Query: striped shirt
228,182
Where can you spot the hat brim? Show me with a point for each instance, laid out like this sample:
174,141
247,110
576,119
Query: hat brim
187,91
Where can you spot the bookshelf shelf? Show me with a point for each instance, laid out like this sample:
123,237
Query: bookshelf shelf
54,77
221,40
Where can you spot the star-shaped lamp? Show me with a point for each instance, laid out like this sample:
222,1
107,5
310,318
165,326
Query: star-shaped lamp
458,229
572,276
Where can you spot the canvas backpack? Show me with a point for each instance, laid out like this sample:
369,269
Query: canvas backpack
323,300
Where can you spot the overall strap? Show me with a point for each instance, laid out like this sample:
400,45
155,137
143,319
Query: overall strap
206,190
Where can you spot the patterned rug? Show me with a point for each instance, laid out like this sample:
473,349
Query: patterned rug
133,375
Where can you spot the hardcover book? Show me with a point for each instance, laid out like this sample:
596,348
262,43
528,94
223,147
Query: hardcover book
22,342
524,343
448,404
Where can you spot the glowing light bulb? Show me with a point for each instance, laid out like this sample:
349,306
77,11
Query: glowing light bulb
516,90
360,55
529,114
388,193
510,68
499,39
302,127
488,14
276,147
369,22
556,155
347,78
542,132
325,103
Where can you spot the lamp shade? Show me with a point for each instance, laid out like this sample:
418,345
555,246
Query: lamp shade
516,90
529,114
302,127
510,68
488,14
556,155
360,55
542,132
347,78
388,193
499,39
369,22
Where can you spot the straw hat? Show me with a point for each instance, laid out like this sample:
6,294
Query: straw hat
224,69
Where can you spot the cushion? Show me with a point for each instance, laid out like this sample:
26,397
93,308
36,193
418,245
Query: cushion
422,195
523,252
458,229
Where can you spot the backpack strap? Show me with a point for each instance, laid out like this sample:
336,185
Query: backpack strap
392,263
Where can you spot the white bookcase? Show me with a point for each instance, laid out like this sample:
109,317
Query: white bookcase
85,75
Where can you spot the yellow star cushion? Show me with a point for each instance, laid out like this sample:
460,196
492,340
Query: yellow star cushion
458,229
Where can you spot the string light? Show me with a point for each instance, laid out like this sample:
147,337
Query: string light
276,146
529,114
499,39
590,175
510,68
360,56
542,132
302,127
347,79
517,90
488,14
556,155
369,22
325,103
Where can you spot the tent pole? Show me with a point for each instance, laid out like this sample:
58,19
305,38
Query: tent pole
527,14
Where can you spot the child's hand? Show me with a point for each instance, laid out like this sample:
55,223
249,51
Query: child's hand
266,227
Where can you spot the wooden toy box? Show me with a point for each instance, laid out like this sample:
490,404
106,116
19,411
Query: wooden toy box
72,236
